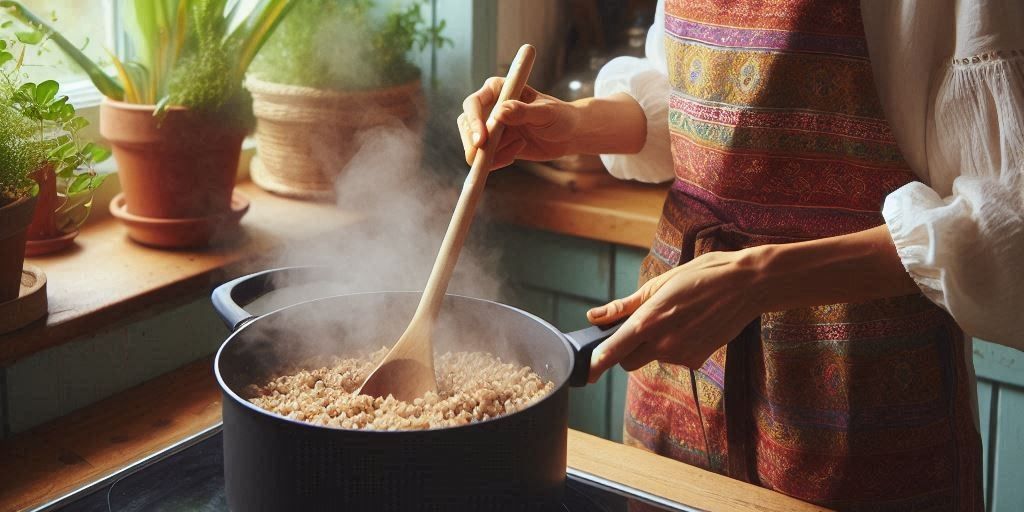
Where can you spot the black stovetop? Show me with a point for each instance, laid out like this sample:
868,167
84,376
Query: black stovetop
190,476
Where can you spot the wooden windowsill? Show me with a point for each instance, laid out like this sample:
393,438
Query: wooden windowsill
56,458
106,277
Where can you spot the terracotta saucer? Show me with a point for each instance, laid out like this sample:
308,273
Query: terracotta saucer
50,245
30,304
181,233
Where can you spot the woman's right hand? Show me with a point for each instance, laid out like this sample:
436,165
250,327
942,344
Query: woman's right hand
537,126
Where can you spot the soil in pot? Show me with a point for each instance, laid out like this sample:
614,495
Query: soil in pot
14,220
306,136
180,166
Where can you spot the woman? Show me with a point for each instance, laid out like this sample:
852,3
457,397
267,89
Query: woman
847,203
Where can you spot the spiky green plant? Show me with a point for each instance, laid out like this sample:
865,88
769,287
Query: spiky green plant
192,53
346,45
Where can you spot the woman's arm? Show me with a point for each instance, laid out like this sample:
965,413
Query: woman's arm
857,267
685,314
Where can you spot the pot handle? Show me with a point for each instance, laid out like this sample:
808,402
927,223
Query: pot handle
228,298
583,342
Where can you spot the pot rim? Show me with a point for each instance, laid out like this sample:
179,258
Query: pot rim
139,107
19,201
225,389
268,88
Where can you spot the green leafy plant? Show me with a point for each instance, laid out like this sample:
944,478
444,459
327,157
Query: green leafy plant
39,127
347,45
192,53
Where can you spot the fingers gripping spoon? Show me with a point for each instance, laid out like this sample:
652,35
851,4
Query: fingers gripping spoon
407,372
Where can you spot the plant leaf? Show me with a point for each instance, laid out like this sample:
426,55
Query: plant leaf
81,183
130,93
46,91
96,152
29,37
76,123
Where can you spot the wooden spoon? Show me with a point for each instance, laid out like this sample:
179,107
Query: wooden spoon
407,372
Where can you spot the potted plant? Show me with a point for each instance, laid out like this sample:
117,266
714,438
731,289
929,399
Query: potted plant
38,147
333,68
66,178
176,113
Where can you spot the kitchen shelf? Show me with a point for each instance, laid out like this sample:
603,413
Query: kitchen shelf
56,458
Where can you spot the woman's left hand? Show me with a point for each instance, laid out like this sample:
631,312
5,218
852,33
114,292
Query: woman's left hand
681,316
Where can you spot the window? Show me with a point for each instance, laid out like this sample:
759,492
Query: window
86,23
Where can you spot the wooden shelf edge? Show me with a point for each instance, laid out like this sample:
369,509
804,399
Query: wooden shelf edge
623,213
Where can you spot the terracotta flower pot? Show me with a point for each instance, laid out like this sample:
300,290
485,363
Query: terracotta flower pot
179,167
44,221
51,229
14,220
305,136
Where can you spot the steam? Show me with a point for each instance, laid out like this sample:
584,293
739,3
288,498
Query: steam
404,204
405,208
404,192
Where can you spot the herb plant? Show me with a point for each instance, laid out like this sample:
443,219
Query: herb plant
191,53
346,45
38,127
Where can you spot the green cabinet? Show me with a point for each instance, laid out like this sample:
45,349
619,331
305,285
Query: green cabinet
559,278
1000,372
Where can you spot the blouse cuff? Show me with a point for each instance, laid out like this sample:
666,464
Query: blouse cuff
650,88
913,239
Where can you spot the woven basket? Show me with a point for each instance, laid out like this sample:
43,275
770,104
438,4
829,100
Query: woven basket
306,136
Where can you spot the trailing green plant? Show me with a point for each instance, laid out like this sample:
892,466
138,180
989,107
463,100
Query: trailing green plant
347,45
191,53
39,127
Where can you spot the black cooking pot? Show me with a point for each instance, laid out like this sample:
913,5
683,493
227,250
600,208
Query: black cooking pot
514,462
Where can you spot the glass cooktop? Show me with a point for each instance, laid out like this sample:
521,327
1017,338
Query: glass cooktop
190,476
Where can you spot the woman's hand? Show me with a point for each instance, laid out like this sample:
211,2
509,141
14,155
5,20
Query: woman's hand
681,316
537,126
541,127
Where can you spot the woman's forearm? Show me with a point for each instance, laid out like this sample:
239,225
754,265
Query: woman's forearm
857,267
614,124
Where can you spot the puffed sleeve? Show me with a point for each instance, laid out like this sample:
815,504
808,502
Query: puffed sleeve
646,80
961,237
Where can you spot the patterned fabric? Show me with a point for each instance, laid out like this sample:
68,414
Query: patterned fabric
778,136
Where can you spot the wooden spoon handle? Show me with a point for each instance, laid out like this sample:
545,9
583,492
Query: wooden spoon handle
472,190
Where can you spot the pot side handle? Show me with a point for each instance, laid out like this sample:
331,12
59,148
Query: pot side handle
583,342
228,298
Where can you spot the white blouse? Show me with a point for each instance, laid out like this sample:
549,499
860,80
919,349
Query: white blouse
950,75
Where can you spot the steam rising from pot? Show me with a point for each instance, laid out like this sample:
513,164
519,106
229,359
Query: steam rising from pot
404,204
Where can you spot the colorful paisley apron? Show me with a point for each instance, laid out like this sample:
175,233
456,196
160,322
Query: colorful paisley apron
778,136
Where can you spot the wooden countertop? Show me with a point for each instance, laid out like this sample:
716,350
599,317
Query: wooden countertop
51,460
620,212
106,278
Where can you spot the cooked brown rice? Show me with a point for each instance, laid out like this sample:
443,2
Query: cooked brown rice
472,386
